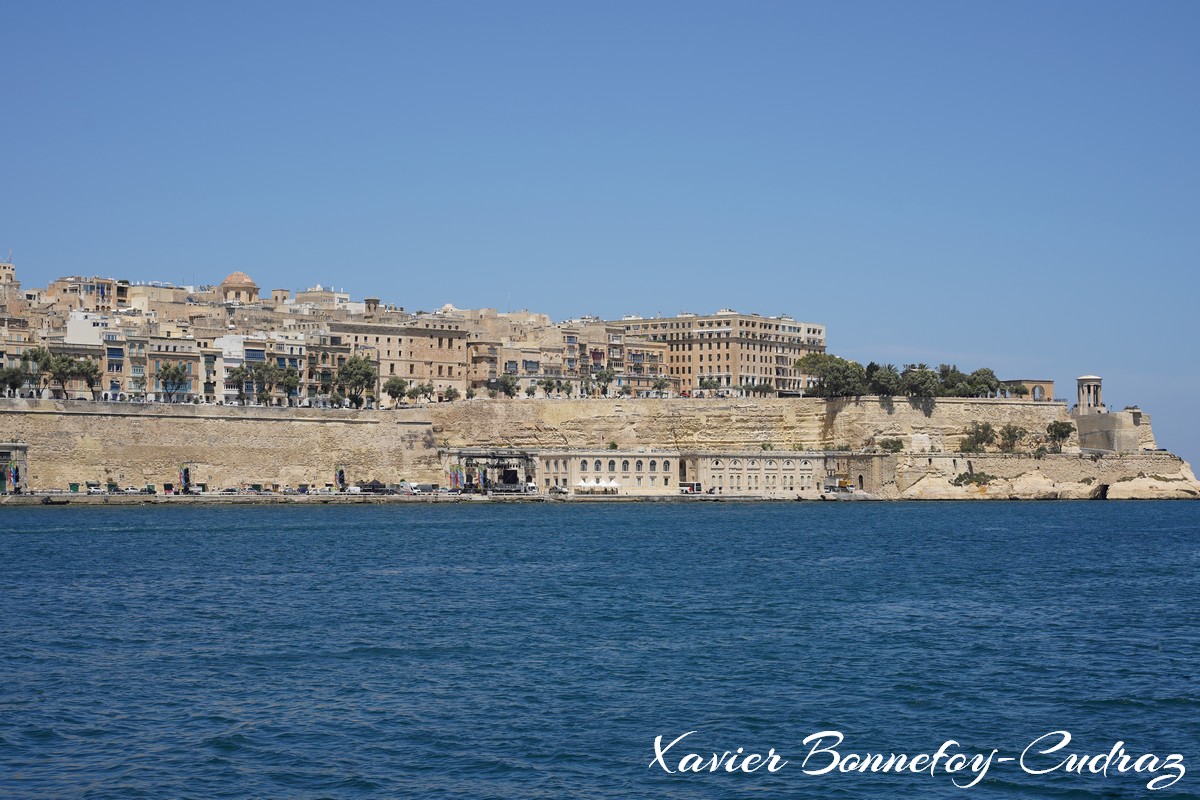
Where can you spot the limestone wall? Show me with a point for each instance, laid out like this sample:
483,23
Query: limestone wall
1121,431
729,424
134,444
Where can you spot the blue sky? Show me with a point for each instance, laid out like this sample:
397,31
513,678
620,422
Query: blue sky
1010,184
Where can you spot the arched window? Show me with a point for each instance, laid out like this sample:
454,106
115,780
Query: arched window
583,465
638,465
770,465
598,465
654,466
716,463
612,466
625,465
787,464
666,466
753,464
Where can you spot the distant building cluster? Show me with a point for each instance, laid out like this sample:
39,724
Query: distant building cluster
209,338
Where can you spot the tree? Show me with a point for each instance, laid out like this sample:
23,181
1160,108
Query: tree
290,381
357,375
891,445
604,377
88,371
470,392
661,384
836,377
1019,389
12,378
978,436
451,394
625,391
240,376
265,374
508,384
709,384
920,382
983,382
531,390
61,370
428,389
885,381
547,385
395,388
1059,432
1010,435
172,378
952,382
37,364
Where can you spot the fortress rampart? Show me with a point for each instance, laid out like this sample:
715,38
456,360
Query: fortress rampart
134,444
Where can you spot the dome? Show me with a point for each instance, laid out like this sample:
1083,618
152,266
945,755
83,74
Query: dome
238,279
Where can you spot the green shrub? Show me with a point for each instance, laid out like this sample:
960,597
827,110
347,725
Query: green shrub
978,478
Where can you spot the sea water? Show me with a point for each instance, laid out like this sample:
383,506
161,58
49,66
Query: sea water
552,650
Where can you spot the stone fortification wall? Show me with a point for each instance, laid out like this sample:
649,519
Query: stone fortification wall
728,424
133,444
1122,431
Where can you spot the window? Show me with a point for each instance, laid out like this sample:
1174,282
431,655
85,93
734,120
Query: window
583,465
654,466
666,466
625,466
638,467
597,465
612,466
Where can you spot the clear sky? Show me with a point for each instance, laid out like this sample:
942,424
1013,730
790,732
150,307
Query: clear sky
1013,184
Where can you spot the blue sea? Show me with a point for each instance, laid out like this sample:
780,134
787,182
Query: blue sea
536,651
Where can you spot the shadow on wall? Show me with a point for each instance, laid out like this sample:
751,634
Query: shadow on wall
923,404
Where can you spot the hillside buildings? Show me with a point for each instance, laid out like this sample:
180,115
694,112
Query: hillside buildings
214,333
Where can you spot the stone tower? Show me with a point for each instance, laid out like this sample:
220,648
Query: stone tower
1089,401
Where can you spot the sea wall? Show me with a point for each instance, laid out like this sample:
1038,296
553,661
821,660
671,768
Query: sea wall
134,444
137,444
732,424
